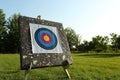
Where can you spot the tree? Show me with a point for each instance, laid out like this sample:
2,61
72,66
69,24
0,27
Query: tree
114,44
100,43
72,37
84,47
2,18
105,43
13,36
118,42
2,30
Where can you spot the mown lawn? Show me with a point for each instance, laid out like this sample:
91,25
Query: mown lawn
85,67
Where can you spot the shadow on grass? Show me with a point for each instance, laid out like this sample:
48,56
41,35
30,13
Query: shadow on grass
100,55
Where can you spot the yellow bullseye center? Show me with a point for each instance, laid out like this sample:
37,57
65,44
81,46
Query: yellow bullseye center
46,38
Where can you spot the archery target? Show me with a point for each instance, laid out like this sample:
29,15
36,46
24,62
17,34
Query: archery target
44,39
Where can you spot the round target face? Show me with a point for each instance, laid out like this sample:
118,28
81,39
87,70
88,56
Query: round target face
45,38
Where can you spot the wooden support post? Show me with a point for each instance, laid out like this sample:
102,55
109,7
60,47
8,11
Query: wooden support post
65,67
27,71
67,73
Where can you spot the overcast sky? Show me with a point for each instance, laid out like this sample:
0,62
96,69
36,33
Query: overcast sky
87,17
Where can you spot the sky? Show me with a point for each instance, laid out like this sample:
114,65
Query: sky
88,18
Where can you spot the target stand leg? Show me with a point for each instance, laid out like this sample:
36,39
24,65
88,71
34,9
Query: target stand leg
65,67
27,71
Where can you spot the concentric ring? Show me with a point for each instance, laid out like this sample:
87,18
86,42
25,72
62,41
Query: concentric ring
45,38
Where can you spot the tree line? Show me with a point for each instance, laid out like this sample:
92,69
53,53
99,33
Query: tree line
9,38
97,44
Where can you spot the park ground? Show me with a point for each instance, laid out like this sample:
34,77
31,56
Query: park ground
86,66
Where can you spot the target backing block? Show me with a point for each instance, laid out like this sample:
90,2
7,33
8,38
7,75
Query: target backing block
42,43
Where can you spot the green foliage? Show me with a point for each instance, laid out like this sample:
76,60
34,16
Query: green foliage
115,41
9,38
13,35
118,42
2,30
2,18
72,37
84,47
98,44
85,67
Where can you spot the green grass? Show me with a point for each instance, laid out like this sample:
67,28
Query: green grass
85,67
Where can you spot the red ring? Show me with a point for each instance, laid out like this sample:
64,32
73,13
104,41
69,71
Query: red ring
45,34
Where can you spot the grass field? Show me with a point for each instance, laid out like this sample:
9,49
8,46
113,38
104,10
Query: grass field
85,67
